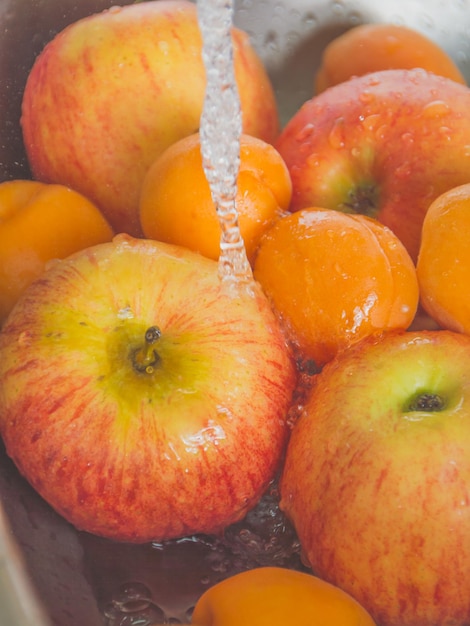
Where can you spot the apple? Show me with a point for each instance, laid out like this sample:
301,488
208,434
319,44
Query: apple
113,90
385,144
377,476
139,396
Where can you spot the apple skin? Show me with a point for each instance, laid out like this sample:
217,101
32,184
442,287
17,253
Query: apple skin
385,144
133,455
110,92
380,494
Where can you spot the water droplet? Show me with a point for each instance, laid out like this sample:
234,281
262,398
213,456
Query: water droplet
370,122
51,263
125,313
403,171
279,10
292,39
446,133
373,81
310,19
355,18
132,597
313,160
337,8
427,20
305,133
436,108
381,131
271,41
336,135
408,138
367,97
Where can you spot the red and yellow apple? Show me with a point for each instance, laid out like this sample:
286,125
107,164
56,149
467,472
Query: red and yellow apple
377,476
110,92
141,398
385,144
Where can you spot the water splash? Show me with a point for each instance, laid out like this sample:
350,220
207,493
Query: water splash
220,131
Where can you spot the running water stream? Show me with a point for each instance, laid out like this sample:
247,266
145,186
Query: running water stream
220,130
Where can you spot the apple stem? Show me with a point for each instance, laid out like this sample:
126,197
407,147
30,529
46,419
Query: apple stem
146,358
427,402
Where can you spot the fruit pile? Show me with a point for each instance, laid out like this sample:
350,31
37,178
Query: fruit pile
145,402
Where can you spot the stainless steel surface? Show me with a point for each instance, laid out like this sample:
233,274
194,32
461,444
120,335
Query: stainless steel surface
50,575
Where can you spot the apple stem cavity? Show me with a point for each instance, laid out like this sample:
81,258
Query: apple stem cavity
146,358
429,402
364,200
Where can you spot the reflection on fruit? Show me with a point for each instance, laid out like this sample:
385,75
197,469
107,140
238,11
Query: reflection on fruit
40,222
373,47
137,86
335,278
385,144
273,596
377,476
443,266
176,204
139,397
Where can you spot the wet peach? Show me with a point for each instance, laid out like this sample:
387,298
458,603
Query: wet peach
373,47
176,204
443,265
38,223
335,278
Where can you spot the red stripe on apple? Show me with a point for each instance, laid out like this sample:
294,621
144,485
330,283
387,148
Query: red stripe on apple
141,399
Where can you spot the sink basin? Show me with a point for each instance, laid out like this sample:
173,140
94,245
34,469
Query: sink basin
51,574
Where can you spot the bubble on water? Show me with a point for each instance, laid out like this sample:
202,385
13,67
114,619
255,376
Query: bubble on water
265,536
132,597
132,605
